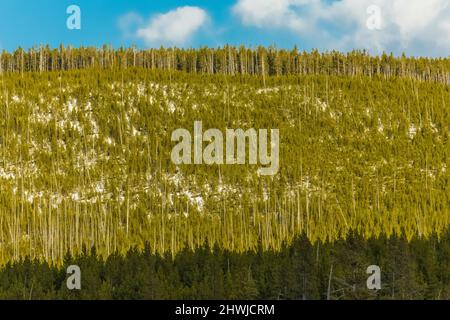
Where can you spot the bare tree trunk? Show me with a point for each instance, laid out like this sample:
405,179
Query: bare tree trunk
329,283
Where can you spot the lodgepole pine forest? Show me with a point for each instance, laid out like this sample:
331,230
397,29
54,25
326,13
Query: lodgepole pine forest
85,144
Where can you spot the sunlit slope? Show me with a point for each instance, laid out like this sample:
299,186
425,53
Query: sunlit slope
85,161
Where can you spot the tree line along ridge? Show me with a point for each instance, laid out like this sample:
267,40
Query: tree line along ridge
228,60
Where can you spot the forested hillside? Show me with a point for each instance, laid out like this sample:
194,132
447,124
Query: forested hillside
85,154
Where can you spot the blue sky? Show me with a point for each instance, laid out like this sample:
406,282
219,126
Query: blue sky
416,27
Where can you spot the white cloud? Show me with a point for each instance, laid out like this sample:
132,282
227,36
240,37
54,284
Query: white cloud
175,27
274,13
129,22
413,16
416,26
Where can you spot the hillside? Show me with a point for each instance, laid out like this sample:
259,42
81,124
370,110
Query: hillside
85,160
